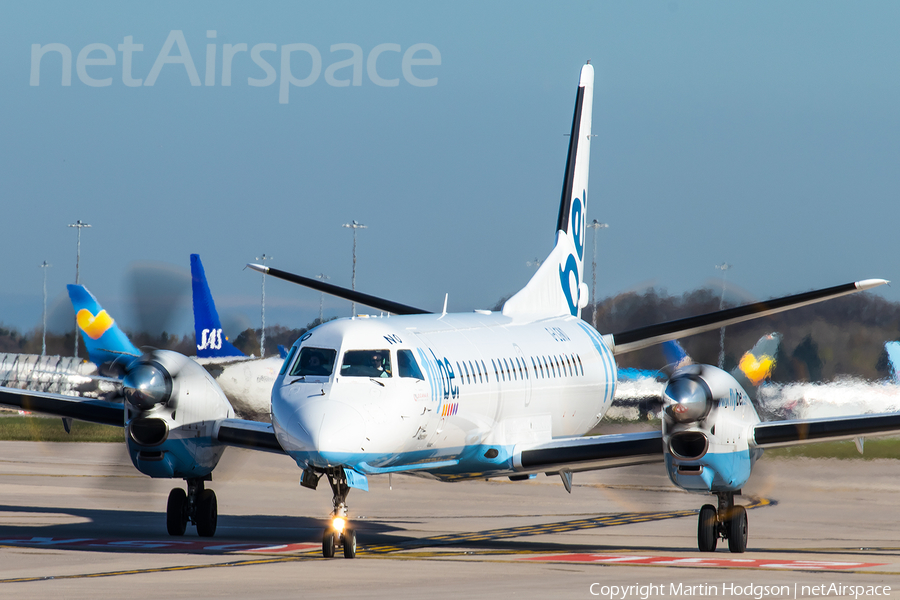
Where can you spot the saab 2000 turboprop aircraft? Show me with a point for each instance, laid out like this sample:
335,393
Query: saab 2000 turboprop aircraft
461,396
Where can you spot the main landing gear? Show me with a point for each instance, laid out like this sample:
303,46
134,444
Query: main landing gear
728,522
339,534
197,506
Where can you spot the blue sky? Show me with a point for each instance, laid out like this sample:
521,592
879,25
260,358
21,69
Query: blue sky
764,134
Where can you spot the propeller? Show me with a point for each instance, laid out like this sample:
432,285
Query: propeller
157,292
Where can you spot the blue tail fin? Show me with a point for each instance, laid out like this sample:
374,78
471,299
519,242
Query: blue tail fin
893,351
104,341
211,342
676,356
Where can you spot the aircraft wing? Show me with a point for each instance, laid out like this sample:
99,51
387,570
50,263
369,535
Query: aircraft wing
253,435
590,453
773,434
70,407
231,432
636,339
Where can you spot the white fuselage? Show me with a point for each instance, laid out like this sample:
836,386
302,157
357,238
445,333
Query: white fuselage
488,383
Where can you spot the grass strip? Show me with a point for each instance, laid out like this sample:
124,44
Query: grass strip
49,429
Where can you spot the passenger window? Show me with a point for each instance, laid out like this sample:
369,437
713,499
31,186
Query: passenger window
407,365
580,364
366,363
485,371
317,362
287,360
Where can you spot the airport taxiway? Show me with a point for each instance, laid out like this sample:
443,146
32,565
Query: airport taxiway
77,521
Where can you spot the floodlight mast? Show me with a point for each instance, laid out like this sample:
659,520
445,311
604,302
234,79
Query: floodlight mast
78,225
262,336
354,225
44,266
724,268
322,277
595,225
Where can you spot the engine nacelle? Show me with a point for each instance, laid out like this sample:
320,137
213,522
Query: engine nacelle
707,420
172,407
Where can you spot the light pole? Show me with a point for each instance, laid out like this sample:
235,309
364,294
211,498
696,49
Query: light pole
262,337
595,225
724,268
321,277
44,266
354,226
78,225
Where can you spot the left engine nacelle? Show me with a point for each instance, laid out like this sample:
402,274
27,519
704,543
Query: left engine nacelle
707,420
172,408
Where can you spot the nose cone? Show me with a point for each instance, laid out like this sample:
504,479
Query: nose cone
336,430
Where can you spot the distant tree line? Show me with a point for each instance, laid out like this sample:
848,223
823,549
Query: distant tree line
247,341
842,337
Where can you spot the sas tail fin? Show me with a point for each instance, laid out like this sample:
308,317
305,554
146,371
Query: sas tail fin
104,341
211,342
558,287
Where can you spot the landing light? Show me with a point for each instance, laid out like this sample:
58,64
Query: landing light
338,524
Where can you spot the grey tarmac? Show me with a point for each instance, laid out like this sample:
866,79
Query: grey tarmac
77,521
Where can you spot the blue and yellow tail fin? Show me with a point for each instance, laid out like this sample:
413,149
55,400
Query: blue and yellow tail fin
104,341
211,342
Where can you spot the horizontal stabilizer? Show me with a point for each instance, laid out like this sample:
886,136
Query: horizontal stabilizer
773,434
352,295
636,339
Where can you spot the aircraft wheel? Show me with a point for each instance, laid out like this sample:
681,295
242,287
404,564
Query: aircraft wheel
176,512
737,530
328,544
207,514
348,541
706,529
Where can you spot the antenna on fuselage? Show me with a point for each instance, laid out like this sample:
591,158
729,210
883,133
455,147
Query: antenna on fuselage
444,312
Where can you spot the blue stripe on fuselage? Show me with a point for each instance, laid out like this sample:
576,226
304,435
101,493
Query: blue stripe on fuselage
606,359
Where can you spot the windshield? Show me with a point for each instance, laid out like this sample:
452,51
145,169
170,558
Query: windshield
314,361
366,363
407,366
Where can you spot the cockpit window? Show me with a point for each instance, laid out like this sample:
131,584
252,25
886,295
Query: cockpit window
407,366
287,360
315,362
366,363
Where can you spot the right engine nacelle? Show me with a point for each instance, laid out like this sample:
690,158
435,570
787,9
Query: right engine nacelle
707,420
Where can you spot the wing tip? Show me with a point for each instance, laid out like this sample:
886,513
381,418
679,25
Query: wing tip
868,284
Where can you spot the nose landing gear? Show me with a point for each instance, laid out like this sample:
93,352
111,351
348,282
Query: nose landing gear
198,506
728,522
339,533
